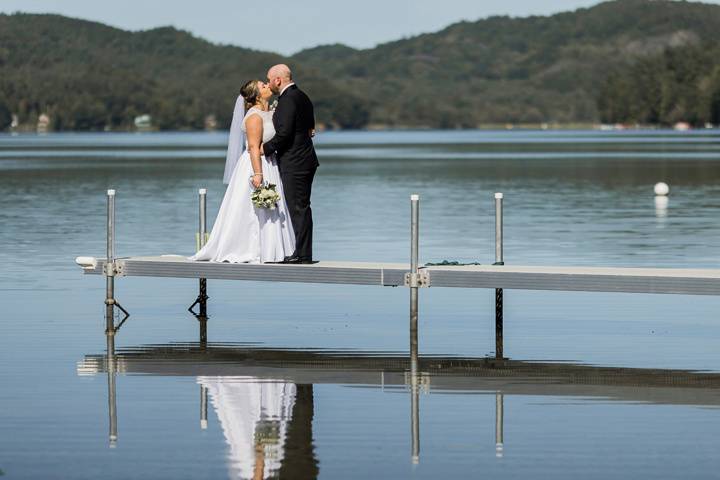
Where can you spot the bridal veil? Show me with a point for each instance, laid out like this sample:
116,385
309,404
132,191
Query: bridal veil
236,142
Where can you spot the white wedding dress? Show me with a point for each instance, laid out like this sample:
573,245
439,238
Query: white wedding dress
254,414
243,233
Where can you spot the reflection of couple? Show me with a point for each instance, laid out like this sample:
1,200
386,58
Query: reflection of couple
268,425
267,147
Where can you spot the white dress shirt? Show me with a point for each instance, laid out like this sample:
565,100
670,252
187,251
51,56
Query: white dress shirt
286,87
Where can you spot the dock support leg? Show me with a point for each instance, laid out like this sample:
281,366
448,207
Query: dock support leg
499,261
413,331
111,270
414,254
202,298
203,330
499,323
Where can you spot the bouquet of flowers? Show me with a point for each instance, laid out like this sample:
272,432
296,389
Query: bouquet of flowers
265,196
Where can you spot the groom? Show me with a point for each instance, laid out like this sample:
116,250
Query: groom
294,122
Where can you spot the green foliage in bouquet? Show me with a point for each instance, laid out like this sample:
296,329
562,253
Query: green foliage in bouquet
267,432
265,196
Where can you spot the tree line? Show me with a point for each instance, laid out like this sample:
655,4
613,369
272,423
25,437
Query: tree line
629,61
680,85
88,76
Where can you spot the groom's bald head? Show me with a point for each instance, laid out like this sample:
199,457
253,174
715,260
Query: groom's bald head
279,76
281,70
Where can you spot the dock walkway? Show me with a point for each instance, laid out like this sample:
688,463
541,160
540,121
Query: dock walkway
588,279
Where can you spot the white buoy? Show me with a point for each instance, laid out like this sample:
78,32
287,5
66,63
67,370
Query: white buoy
662,189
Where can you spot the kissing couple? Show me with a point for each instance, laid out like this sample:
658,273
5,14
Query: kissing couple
267,148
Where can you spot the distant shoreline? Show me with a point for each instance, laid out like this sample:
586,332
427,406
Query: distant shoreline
382,128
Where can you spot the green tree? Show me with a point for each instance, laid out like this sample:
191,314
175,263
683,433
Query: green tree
5,116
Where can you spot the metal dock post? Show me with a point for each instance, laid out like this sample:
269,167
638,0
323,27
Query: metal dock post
202,297
414,280
202,193
414,284
110,271
499,261
110,265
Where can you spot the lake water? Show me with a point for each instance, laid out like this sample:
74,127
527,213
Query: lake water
309,381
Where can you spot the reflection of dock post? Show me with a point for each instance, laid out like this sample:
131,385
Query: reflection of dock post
415,418
499,423
414,387
203,407
499,261
112,402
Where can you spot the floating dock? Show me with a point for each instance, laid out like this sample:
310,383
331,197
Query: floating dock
414,276
585,279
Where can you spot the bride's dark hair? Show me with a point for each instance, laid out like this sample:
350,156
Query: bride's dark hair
250,92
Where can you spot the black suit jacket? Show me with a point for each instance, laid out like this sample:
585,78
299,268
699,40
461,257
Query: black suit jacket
293,119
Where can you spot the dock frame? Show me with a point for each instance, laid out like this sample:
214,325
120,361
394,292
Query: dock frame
497,276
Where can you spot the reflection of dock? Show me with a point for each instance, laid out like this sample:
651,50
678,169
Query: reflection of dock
442,374
215,365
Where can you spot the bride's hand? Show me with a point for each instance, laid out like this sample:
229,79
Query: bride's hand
256,180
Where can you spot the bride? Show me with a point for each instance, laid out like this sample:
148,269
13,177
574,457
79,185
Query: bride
243,233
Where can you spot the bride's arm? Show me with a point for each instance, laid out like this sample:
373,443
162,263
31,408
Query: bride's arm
254,127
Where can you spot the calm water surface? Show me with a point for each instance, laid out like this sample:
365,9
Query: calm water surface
308,381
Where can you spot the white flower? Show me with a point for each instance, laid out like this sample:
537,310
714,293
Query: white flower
265,197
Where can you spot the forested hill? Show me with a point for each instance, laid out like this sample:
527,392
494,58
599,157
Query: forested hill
501,69
88,76
579,66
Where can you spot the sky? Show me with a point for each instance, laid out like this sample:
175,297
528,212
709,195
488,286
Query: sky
287,26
